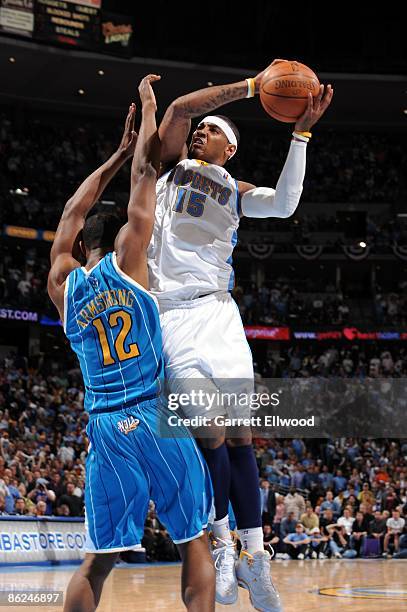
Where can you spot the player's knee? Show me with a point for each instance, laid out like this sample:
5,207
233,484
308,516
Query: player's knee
99,565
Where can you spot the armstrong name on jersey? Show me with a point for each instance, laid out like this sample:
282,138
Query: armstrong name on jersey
103,301
195,231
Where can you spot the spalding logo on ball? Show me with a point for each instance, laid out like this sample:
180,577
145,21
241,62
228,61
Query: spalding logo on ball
284,90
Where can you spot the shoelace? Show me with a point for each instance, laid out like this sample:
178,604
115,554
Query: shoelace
224,560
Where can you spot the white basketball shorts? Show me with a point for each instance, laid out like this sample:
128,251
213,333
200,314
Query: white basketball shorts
205,348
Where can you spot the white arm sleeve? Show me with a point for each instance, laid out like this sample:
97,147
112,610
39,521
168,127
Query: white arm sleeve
262,202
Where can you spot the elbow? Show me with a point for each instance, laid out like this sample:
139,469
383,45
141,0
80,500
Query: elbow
176,107
145,170
289,203
149,170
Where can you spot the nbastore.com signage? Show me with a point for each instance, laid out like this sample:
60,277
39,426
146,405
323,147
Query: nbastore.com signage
13,314
33,540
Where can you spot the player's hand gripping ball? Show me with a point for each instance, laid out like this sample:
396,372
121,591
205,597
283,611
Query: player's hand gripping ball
284,89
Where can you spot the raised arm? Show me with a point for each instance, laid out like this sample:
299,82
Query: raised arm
262,202
134,238
176,123
77,208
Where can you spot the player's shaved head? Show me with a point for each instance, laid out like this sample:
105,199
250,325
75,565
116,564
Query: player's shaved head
100,231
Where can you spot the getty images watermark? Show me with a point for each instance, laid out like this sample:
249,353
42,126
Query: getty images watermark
305,406
201,408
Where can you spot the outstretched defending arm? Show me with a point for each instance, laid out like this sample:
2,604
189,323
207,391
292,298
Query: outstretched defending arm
176,123
77,208
262,202
134,238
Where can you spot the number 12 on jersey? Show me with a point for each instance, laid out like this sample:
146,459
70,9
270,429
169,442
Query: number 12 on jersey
193,200
121,352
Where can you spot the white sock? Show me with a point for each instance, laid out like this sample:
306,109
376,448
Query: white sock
221,529
251,539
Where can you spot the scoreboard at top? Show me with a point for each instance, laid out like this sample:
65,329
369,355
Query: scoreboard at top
67,22
80,23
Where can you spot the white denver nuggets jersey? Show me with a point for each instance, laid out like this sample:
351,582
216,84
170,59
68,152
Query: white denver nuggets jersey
195,232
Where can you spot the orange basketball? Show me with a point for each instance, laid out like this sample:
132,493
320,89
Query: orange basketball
284,90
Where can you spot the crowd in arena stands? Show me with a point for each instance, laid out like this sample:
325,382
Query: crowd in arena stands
319,498
344,498
371,360
341,167
45,158
23,277
305,227
391,308
279,302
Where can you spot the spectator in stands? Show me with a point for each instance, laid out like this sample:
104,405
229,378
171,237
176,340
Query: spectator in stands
377,529
63,510
330,504
41,508
270,538
317,544
346,521
288,525
74,503
41,492
326,478
28,503
279,514
309,519
268,502
2,505
294,504
297,542
360,530
366,495
339,482
11,492
395,526
19,507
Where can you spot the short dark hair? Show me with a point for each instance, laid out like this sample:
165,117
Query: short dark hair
231,125
100,231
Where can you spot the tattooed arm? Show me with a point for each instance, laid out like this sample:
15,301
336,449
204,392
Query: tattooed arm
176,124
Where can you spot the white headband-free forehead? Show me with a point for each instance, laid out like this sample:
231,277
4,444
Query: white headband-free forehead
224,126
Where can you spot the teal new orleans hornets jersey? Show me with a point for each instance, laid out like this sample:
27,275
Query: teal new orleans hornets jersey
113,326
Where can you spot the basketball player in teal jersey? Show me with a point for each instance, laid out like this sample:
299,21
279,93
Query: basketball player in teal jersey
199,205
112,323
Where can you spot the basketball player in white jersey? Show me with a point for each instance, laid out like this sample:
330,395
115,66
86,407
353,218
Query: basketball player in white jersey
198,210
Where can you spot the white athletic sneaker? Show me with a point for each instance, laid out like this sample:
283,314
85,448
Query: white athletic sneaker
314,555
253,574
224,557
321,556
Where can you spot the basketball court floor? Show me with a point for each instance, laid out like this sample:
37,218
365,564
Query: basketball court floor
309,586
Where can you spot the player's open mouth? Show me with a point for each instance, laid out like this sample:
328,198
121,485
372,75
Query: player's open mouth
198,142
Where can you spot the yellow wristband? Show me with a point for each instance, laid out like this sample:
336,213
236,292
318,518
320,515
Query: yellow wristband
251,88
306,134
